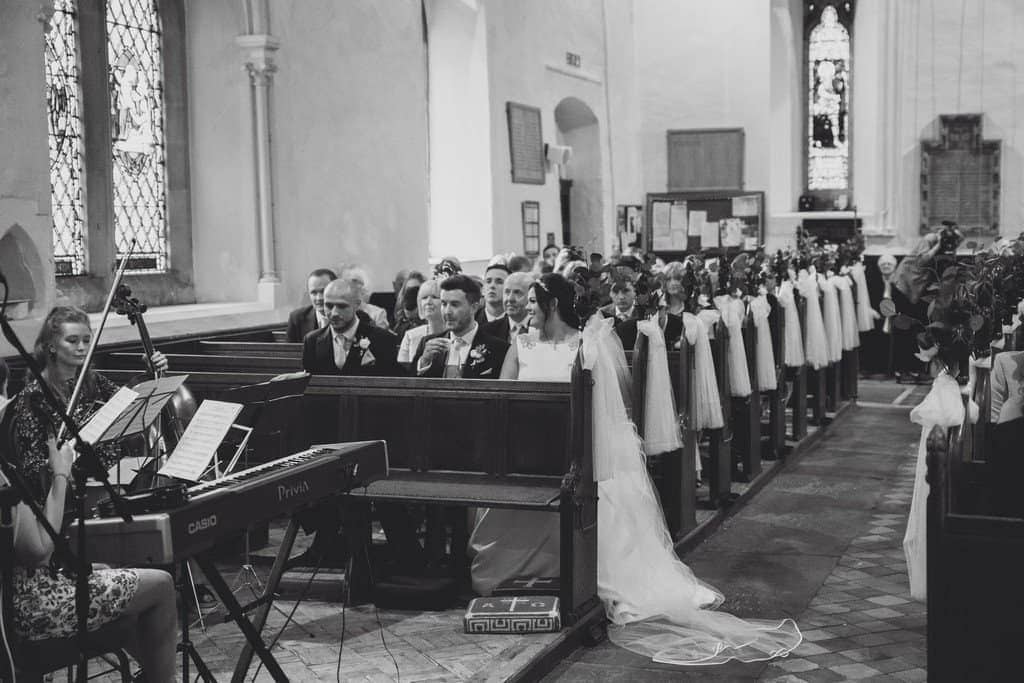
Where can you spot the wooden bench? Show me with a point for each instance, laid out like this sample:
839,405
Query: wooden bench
216,347
973,567
188,362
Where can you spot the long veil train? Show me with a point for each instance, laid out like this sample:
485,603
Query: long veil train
657,606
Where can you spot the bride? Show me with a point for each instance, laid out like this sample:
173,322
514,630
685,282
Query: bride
656,605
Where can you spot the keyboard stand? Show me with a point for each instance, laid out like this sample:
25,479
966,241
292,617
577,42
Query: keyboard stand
186,589
251,629
262,605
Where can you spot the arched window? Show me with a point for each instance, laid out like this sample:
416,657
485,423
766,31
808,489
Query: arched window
829,73
116,104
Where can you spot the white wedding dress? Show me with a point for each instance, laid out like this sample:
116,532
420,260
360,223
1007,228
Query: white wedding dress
655,603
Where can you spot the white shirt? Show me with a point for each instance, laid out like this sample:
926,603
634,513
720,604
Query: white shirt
461,351
343,343
321,319
625,315
492,318
411,342
513,326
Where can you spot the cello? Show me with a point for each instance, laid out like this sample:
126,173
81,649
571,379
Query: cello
178,412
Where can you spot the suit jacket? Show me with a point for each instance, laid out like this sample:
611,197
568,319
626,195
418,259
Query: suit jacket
301,322
498,329
318,352
484,360
1007,402
481,316
673,331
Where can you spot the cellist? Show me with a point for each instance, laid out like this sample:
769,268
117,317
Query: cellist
60,351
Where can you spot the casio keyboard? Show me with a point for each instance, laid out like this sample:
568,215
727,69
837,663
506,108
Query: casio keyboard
219,508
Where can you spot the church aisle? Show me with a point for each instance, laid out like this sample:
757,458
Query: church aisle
822,543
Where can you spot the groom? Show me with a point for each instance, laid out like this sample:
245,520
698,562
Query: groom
462,350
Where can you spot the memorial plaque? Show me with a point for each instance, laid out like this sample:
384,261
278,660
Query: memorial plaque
960,177
525,144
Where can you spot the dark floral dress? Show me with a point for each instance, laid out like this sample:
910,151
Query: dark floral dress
44,598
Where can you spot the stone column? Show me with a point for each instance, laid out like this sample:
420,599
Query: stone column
258,54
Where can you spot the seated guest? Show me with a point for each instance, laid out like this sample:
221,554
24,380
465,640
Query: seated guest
304,320
350,344
429,297
623,306
493,288
406,314
462,350
1008,386
377,315
671,306
520,264
516,320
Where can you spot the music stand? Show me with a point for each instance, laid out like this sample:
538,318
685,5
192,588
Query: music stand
256,397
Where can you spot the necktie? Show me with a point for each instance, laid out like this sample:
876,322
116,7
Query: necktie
341,347
453,368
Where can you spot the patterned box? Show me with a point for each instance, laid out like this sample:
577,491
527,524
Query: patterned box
526,614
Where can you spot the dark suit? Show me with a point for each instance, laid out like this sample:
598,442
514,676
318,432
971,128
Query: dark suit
481,316
673,331
301,322
483,361
318,352
499,329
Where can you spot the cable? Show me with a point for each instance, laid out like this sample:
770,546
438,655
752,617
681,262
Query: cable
288,619
341,645
3,628
380,626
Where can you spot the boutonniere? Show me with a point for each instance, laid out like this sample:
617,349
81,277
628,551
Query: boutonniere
477,354
364,343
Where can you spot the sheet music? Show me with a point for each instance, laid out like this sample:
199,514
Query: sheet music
198,444
105,416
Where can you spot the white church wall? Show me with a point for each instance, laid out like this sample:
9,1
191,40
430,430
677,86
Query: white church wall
348,143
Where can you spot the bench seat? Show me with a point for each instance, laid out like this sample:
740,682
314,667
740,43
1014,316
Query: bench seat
463,488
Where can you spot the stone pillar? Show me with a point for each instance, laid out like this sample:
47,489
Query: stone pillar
258,54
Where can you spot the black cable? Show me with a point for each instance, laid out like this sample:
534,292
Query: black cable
341,645
380,626
288,619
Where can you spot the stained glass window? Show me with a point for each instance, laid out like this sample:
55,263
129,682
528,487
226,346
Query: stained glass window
137,123
64,125
828,120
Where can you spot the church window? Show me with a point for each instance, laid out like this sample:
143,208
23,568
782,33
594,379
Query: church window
828,96
64,124
137,132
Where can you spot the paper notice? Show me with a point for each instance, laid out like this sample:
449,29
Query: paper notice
746,206
678,217
661,224
105,416
708,232
732,232
197,445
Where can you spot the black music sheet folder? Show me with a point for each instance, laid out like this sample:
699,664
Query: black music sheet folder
145,408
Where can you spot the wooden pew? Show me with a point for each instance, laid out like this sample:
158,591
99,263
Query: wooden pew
746,414
674,474
208,363
973,573
798,376
719,474
216,347
851,359
459,442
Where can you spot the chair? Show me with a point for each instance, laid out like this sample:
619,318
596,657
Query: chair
34,659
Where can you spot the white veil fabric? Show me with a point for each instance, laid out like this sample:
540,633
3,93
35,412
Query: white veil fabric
707,403
943,406
847,312
815,344
794,356
657,606
732,311
764,352
661,426
865,321
833,321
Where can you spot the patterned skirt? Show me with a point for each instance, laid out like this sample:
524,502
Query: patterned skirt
44,601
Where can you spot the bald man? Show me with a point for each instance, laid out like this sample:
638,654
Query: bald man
515,320
350,344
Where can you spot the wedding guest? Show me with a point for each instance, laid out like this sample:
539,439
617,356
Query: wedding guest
406,314
461,350
550,254
305,319
671,306
494,285
1008,386
350,344
623,305
429,298
516,320
520,264
359,277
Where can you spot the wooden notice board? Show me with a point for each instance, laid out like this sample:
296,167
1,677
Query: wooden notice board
526,144
680,223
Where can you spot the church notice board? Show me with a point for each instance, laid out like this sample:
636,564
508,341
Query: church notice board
679,223
526,144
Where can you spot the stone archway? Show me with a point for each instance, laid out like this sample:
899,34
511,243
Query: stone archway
579,129
18,261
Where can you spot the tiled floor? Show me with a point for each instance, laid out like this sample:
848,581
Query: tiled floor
863,624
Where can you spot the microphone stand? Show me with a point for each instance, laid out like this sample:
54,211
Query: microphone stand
86,464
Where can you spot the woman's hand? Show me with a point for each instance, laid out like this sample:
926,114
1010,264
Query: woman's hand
61,458
159,361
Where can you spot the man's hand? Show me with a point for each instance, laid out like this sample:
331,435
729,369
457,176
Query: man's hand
433,347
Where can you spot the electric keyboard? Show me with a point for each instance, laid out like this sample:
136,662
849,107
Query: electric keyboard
218,508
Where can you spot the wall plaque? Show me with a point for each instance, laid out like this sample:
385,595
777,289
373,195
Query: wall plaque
525,144
960,177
